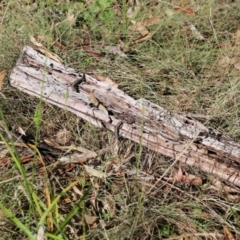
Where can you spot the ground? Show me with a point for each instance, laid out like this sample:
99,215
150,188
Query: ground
183,55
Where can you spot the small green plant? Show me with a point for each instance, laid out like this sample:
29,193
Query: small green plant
99,9
166,230
100,12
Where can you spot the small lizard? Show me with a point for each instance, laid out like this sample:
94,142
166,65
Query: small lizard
123,117
75,84
116,130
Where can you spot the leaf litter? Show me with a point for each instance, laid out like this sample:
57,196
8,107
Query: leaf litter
121,173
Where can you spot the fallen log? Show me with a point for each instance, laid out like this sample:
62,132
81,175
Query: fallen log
172,135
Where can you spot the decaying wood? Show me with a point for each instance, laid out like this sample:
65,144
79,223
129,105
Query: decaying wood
173,135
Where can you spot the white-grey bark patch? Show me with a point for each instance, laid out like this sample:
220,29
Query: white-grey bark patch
173,135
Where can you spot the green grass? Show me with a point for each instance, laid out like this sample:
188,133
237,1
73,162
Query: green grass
172,69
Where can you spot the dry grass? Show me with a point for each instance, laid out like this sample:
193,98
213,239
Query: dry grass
172,69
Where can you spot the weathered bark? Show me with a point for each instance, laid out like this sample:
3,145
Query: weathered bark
173,135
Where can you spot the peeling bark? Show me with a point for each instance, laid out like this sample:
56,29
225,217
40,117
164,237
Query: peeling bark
173,135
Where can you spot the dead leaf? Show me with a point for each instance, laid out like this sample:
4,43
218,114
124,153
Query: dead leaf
187,10
194,180
190,179
143,38
233,198
65,201
2,76
51,55
220,186
106,80
92,99
116,50
35,42
109,205
94,194
2,159
152,21
96,103
49,41
93,172
205,216
103,109
31,7
46,39
121,43
226,45
133,9
179,176
139,27
87,154
131,12
59,45
94,225
196,34
44,51
237,65
228,235
71,19
77,157
225,62
152,72
69,168
21,131
76,190
91,51
169,12
90,219
41,233
63,136
52,143
237,38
